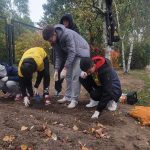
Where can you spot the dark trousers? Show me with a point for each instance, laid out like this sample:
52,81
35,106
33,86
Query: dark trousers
96,92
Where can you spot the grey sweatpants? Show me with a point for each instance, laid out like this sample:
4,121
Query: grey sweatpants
12,87
72,80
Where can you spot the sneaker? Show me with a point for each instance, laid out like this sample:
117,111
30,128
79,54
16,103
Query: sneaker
47,100
63,100
95,115
112,105
92,103
18,97
57,94
73,104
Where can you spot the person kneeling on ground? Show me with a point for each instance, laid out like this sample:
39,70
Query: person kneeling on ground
34,60
9,81
102,83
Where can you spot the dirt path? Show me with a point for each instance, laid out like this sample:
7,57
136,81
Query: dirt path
74,127
123,132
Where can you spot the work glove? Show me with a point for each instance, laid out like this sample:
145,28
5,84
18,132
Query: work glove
4,79
55,75
63,73
95,115
26,101
83,75
36,92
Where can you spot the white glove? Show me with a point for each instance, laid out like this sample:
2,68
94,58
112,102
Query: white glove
55,75
4,79
36,92
26,101
83,75
95,115
63,73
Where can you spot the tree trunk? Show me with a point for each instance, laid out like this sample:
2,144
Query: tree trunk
130,56
122,39
107,47
123,56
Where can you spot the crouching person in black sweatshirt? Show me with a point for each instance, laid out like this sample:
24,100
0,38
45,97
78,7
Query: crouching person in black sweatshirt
102,83
34,60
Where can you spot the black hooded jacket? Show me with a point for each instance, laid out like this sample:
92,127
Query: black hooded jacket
72,25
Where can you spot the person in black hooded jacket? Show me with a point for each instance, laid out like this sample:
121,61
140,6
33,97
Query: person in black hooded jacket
102,83
67,21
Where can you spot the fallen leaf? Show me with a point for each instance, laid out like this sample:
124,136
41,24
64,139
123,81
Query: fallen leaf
44,126
61,125
46,140
24,147
55,123
23,128
48,132
99,131
100,125
85,148
31,127
54,136
75,128
9,138
30,148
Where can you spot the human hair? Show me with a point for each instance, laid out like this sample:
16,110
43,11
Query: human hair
47,32
86,63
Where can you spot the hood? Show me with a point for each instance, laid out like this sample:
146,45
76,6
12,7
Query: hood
59,28
69,18
98,61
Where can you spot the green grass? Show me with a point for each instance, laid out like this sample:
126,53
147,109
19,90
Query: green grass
144,94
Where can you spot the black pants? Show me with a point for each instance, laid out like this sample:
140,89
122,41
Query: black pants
46,77
96,92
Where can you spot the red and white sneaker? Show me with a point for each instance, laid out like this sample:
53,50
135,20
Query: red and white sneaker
18,97
47,100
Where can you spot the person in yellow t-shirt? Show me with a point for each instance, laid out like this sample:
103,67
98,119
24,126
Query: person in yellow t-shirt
34,60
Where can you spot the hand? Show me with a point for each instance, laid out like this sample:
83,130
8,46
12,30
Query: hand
55,75
63,73
83,75
26,101
4,79
36,92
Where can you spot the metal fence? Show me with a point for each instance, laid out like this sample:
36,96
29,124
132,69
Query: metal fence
4,53
9,33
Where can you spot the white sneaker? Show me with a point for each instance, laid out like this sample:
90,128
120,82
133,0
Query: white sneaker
57,94
112,105
95,115
92,103
73,104
63,100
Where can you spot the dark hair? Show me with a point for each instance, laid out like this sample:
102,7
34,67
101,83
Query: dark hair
86,63
28,67
48,32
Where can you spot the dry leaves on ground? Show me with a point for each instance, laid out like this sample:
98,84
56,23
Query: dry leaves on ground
8,138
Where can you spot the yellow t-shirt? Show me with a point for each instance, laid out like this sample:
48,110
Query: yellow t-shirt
38,54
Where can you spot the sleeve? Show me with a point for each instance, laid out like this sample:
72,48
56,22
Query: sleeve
70,46
39,78
106,82
57,57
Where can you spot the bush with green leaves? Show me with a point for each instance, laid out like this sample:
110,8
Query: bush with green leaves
28,40
141,55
